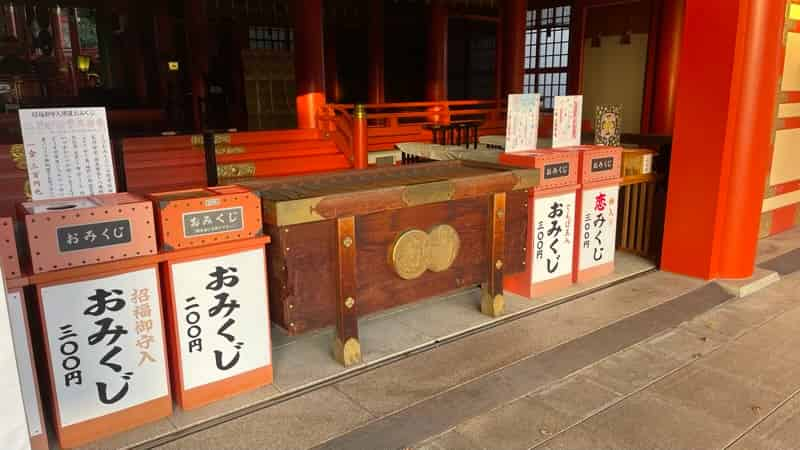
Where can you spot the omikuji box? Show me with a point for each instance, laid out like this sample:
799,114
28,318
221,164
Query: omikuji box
106,354
79,231
196,217
217,320
9,259
595,230
26,366
551,221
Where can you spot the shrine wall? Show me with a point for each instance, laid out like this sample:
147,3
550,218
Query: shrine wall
781,207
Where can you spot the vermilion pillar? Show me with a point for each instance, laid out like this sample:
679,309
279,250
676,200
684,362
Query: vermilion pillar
725,105
436,57
666,67
514,17
375,79
308,61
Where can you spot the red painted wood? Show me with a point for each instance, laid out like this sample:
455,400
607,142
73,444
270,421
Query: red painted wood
723,128
514,17
309,61
436,56
666,67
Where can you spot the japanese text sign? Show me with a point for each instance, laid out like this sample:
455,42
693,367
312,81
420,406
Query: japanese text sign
106,344
567,113
598,226
67,152
213,221
221,307
522,122
553,225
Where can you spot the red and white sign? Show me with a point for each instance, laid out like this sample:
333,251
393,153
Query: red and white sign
598,226
522,122
553,225
567,114
105,343
222,315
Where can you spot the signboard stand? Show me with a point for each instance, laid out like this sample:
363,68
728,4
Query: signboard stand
551,222
218,321
105,348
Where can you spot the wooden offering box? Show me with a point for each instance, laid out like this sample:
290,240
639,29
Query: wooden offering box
78,231
196,217
350,243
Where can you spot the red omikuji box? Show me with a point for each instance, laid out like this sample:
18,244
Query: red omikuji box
197,217
599,169
551,221
9,256
79,231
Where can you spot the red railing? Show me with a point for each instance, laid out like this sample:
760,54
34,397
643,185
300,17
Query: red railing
388,124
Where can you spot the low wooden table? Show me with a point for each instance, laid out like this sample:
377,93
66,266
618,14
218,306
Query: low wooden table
355,242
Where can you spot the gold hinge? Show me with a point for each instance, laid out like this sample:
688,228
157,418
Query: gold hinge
247,169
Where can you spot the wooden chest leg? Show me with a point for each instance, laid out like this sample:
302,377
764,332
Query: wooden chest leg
492,301
346,347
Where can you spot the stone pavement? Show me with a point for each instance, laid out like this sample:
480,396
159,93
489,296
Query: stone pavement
661,361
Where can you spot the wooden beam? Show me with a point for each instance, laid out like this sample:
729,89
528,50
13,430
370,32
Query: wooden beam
346,347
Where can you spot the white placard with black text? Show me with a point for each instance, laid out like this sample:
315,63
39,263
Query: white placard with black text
598,226
19,329
222,313
553,225
106,342
567,114
522,122
67,152
14,428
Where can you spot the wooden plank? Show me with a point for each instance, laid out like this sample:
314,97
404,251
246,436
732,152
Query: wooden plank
634,226
648,228
626,213
644,196
492,301
346,346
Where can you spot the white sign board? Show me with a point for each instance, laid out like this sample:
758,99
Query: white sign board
598,226
106,342
522,122
567,114
14,428
222,314
553,225
19,329
67,151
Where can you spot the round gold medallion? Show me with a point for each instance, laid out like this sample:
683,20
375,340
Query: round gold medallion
443,245
409,254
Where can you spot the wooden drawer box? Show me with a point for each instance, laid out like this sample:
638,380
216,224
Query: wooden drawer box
79,231
195,217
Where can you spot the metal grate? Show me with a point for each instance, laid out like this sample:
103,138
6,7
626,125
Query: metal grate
271,38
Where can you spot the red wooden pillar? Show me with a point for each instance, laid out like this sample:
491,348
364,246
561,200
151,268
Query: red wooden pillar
514,18
667,58
436,57
360,150
725,105
309,61
375,81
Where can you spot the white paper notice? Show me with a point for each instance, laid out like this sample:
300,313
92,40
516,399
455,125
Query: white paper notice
567,114
553,224
106,344
14,428
222,314
67,151
598,226
19,328
522,122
